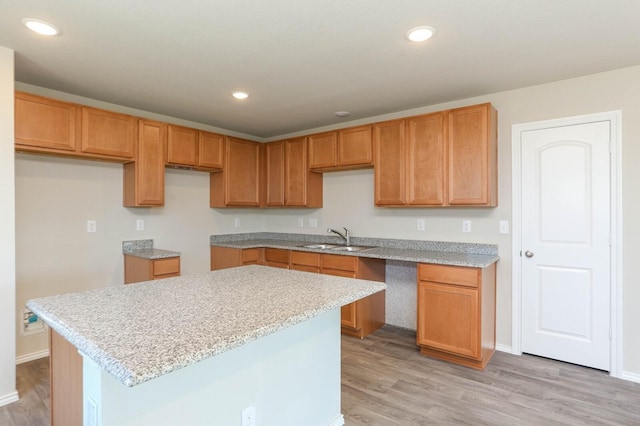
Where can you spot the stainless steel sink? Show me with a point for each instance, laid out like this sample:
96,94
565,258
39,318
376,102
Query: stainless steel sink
321,246
350,248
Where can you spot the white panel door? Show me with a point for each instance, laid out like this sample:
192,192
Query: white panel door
566,243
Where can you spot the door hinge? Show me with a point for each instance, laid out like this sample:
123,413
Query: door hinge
610,333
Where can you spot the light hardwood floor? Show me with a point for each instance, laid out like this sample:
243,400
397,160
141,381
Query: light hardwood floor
385,381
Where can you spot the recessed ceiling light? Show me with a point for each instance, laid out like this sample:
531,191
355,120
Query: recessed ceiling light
420,33
240,95
41,27
341,113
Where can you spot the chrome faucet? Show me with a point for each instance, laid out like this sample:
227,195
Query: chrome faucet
346,236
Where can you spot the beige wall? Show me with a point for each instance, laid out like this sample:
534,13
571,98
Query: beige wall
7,232
55,197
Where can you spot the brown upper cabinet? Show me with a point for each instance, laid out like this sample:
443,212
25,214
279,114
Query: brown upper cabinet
49,126
288,182
194,149
144,178
238,184
349,148
46,124
108,133
472,156
446,158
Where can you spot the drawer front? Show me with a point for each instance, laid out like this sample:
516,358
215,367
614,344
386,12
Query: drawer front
161,277
305,258
459,275
334,261
170,265
339,273
250,256
276,255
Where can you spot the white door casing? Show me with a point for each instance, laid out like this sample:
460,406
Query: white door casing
565,204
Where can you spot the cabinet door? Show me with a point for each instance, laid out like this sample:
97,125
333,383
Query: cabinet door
277,258
182,146
390,163
144,178
426,158
472,155
210,150
448,318
323,150
355,146
296,172
45,123
348,313
275,173
239,182
108,133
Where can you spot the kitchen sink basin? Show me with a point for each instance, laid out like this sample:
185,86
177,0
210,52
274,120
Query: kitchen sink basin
321,246
350,248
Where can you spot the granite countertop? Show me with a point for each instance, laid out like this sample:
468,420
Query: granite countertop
152,253
141,331
436,252
144,249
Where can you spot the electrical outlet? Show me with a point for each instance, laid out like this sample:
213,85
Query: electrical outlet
91,226
504,226
236,222
466,226
313,222
301,222
140,225
421,224
249,416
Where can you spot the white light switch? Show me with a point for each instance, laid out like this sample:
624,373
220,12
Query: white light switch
504,226
466,226
139,225
421,224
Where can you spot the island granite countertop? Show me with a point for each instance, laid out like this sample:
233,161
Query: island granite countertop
419,251
141,331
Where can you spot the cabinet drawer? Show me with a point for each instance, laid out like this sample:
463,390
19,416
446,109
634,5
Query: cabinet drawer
459,275
339,273
334,261
305,258
276,255
250,256
170,265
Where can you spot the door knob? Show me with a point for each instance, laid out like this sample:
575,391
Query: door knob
528,253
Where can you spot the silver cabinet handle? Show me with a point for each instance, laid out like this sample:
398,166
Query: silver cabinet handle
528,253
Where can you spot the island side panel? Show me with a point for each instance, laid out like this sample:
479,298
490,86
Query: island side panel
291,377
65,382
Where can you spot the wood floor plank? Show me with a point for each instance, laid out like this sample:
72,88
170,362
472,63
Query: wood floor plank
386,382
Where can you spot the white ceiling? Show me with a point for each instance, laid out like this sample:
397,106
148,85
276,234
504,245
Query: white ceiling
302,60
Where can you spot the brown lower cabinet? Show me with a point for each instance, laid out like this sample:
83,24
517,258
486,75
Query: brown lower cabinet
456,313
138,269
65,366
359,318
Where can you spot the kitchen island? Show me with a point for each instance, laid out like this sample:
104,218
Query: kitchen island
205,349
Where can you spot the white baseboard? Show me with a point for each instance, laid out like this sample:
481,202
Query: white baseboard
504,348
632,377
32,356
8,398
338,421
